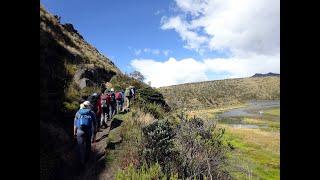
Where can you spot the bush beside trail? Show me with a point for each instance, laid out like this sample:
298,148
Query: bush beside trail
182,147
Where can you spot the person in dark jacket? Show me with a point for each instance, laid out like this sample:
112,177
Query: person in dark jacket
113,107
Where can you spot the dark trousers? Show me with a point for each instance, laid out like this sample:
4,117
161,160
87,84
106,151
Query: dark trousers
83,144
113,109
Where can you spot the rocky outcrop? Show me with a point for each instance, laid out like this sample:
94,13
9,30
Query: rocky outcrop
92,76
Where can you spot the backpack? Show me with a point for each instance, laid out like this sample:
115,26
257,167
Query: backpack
128,92
118,96
84,121
93,99
113,98
105,100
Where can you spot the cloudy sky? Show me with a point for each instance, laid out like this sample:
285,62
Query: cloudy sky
179,41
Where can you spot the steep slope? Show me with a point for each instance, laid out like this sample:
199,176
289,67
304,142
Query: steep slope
70,69
221,92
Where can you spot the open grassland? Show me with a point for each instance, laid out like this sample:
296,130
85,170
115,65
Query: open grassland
255,151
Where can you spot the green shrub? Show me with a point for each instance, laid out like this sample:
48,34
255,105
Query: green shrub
155,110
73,106
150,95
158,144
201,149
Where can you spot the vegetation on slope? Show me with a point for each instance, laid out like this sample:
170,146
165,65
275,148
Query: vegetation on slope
221,92
70,70
175,147
154,142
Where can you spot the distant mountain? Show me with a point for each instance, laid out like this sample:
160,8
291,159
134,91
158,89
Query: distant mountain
265,75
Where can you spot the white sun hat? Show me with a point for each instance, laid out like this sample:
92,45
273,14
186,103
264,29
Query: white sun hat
86,104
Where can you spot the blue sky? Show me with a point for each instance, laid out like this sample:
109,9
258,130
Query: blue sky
118,28
145,35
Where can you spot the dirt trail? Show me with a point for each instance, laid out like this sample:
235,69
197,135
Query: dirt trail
96,168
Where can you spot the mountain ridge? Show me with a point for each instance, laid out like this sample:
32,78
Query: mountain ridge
265,75
219,93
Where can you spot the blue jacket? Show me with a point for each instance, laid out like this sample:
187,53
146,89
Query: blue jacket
85,117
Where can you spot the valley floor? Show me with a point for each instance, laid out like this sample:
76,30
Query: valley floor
254,140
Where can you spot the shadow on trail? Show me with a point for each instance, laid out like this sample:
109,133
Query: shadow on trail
97,162
115,123
93,168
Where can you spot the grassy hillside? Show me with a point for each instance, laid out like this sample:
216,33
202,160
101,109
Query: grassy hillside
221,92
70,70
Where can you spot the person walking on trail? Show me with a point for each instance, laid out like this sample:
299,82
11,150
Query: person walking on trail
96,108
105,103
119,97
133,92
128,96
113,103
123,98
83,130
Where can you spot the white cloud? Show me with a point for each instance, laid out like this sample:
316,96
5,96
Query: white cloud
248,29
244,66
193,40
195,7
138,52
246,25
172,71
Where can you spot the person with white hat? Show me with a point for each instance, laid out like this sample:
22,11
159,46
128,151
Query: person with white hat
84,130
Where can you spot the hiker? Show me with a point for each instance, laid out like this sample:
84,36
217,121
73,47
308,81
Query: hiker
128,96
123,98
119,99
83,130
113,107
96,108
133,91
105,103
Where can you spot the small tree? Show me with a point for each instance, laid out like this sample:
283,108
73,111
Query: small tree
137,75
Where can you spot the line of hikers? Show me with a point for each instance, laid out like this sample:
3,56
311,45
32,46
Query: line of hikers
95,112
